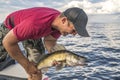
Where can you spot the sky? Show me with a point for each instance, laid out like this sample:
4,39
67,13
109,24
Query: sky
91,7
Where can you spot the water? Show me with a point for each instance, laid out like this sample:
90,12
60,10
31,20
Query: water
102,50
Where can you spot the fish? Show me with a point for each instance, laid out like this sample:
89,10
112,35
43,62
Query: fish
60,59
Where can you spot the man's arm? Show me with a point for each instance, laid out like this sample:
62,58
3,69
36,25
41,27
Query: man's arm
49,42
10,42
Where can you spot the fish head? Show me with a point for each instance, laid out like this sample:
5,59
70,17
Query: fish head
82,61
75,60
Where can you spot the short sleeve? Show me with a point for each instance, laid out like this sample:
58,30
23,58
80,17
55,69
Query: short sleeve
24,30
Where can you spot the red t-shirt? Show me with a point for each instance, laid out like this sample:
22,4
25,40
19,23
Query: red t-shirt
33,23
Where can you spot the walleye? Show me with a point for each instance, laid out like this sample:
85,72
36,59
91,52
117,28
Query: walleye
60,59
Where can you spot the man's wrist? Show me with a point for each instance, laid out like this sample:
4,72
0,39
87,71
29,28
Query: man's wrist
31,68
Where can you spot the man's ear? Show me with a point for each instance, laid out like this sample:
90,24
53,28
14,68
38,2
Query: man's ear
64,19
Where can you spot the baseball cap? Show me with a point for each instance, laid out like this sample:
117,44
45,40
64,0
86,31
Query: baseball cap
79,18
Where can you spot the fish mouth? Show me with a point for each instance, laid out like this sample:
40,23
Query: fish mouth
77,64
83,64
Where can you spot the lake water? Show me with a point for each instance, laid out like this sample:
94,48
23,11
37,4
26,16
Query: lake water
102,50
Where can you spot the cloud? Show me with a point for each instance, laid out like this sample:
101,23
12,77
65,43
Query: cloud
8,6
90,7
104,7
104,18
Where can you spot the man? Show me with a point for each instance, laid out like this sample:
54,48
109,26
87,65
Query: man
34,23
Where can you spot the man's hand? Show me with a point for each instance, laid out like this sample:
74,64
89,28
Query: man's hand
58,47
33,72
37,76
49,42
31,68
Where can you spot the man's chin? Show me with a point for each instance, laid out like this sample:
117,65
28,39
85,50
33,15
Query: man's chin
64,34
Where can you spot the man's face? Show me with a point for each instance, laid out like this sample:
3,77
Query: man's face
67,27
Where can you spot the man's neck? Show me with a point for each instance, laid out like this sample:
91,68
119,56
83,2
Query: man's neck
55,23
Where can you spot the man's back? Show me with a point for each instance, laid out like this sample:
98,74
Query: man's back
31,23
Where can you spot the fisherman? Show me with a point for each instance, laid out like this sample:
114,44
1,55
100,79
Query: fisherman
33,24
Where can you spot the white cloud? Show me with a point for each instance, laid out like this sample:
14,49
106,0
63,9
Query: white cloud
106,7
8,6
104,18
101,7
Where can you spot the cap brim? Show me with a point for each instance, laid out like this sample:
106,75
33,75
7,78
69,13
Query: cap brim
81,29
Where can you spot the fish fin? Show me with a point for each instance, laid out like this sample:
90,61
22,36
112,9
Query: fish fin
60,65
